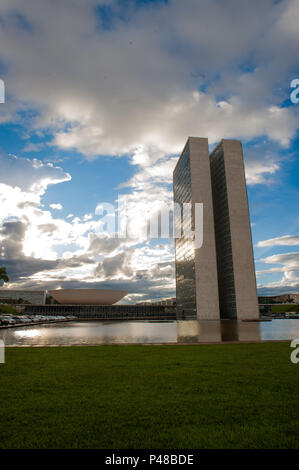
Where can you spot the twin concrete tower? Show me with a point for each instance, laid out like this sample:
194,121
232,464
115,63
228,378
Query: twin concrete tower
217,280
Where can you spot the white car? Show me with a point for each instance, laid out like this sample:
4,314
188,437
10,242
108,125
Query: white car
25,320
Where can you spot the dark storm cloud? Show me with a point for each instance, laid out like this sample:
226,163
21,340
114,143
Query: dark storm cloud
103,245
13,236
20,266
115,265
74,262
23,267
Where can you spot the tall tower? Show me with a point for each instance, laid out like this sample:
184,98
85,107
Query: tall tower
217,280
236,272
196,269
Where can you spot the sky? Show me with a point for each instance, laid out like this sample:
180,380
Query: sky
100,98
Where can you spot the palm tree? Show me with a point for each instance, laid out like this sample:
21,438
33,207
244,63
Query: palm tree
3,275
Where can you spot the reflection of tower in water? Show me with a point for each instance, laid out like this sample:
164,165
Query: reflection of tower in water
199,332
229,330
217,331
249,331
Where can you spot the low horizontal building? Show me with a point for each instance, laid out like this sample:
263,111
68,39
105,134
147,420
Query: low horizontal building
279,299
10,296
104,312
87,296
62,296
171,302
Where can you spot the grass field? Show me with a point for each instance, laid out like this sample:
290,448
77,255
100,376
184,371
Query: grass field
227,396
285,308
7,309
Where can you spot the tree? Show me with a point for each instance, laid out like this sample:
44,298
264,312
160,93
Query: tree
3,275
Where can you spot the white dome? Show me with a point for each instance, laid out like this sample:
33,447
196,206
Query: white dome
87,296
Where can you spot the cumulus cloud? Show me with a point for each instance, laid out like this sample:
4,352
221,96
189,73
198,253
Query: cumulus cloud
285,240
154,83
48,228
57,206
104,244
30,235
29,175
19,266
23,182
257,172
289,266
136,83
114,267
12,236
262,162
283,258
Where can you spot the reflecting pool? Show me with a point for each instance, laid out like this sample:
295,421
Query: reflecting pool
145,332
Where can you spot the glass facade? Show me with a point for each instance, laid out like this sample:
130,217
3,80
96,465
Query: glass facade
112,312
226,281
184,246
223,268
22,296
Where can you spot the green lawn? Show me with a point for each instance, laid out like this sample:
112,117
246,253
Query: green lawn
7,309
285,308
226,396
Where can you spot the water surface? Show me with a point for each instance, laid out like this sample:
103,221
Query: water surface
145,332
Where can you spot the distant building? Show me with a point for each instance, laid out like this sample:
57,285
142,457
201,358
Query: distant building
87,296
265,309
218,279
62,296
279,299
35,297
170,302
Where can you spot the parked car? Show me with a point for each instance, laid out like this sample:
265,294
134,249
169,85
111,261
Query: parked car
7,320
24,319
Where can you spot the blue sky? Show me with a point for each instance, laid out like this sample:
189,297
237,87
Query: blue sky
101,96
